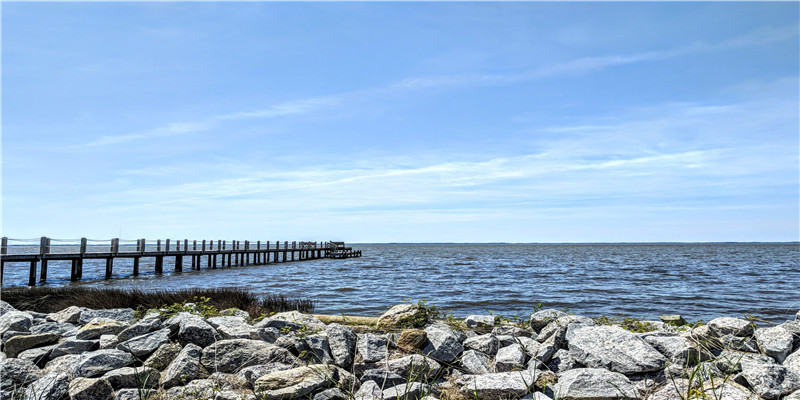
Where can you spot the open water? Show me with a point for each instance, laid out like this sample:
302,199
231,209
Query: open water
698,281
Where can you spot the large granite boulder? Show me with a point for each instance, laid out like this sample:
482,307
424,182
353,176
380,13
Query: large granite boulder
414,365
371,347
184,368
99,362
487,344
510,358
233,327
475,362
479,321
498,386
17,373
342,342
320,348
594,384
20,343
678,349
90,389
53,386
301,381
140,328
163,356
770,381
15,321
232,354
369,390
731,326
252,373
402,316
308,322
98,327
143,346
443,343
133,377
406,391
70,315
775,342
411,340
541,318
118,314
615,349
192,328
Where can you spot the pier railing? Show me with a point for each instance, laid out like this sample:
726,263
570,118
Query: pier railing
220,253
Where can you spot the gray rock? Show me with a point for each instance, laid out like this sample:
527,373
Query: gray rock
278,324
730,342
225,381
793,396
793,362
38,355
233,327
730,326
163,356
510,330
15,321
309,322
674,320
15,372
479,321
770,381
5,307
269,335
301,381
70,315
730,362
232,354
541,318
252,373
331,394
386,378
100,326
475,362
676,348
99,362
342,342
793,327
616,349
775,342
561,361
550,346
320,348
369,390
199,389
510,358
74,346
90,389
191,328
372,347
18,344
443,344
413,365
140,328
235,312
54,386
401,316
410,391
62,363
143,346
186,367
108,342
292,343
133,377
118,314
564,326
594,384
487,344
530,346
134,394
61,329
497,386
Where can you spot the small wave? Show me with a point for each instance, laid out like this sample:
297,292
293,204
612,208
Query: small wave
345,289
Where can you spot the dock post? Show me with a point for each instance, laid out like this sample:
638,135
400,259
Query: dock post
209,262
294,246
73,272
159,264
80,260
178,263
3,251
246,255
135,266
32,274
158,245
214,266
44,248
109,267
166,246
204,246
257,260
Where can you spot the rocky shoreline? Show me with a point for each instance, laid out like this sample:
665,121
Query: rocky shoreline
188,353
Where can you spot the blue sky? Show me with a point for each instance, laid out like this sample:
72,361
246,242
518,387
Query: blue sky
401,122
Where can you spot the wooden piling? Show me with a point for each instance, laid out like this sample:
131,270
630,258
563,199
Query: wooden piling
135,266
109,267
44,248
179,263
159,263
32,274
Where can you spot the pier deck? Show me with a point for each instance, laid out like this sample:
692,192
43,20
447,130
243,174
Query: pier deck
220,253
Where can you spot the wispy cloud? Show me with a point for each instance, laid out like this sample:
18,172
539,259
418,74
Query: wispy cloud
578,66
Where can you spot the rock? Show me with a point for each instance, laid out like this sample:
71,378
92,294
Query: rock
61,329
411,340
386,378
15,372
233,327
730,326
278,324
561,361
330,394
406,391
108,342
134,394
163,356
38,355
530,346
443,344
15,321
292,343
98,327
301,381
676,348
475,362
674,320
125,315
497,386
479,321
235,312
231,354
130,377
775,342
770,381
70,315
62,363
730,362
730,342
52,386
199,389
252,373
487,344
793,362
369,390
269,335
793,396
90,389
541,318
414,365
310,322
793,327
192,329
509,330
510,358
320,348
143,346
615,349
5,307
18,344
342,342
73,346
99,362
550,346
403,316
140,328
594,384
184,368
371,347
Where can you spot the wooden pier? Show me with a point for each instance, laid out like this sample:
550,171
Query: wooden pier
219,254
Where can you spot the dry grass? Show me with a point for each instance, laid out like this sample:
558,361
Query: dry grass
53,299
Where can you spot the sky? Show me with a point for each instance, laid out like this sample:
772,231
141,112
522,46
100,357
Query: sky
402,122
